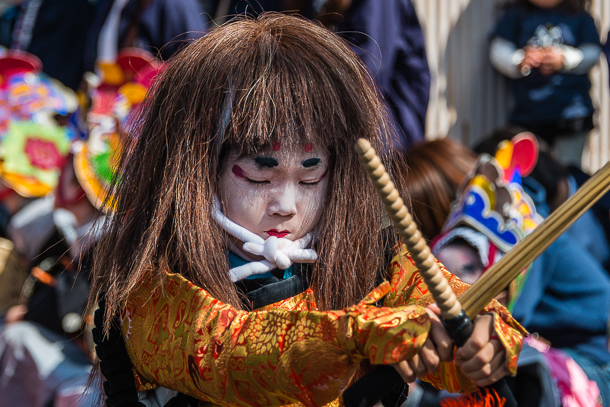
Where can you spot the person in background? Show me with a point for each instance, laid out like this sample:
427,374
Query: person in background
592,229
566,298
546,48
46,306
565,278
34,147
44,353
161,27
470,244
433,180
391,43
54,31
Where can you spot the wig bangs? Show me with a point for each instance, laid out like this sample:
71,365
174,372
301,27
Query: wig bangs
289,92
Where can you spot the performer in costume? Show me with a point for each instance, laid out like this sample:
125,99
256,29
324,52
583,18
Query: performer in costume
45,357
34,144
567,296
247,241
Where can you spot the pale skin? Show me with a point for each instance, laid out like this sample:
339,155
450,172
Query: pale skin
462,260
276,193
281,191
548,60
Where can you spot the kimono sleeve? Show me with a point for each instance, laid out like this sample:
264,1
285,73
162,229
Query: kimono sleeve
184,339
408,288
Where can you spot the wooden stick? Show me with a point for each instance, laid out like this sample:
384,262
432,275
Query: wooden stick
382,379
497,278
401,219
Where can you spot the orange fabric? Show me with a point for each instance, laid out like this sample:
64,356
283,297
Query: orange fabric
408,288
288,352
483,399
44,277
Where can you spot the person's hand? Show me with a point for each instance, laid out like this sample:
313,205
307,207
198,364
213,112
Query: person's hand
552,62
532,59
437,348
15,313
482,359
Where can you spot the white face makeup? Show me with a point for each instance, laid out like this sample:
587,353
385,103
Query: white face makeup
277,193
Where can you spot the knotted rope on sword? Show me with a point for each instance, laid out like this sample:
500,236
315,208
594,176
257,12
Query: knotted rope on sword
371,388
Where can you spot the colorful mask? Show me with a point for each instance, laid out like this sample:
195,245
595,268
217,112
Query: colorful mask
33,156
492,202
115,92
33,145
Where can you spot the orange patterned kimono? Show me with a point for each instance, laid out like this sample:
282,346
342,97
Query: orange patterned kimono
287,352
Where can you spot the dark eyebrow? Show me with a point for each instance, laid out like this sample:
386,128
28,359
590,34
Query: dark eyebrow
311,162
268,162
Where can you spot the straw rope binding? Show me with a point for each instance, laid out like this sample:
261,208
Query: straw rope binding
401,219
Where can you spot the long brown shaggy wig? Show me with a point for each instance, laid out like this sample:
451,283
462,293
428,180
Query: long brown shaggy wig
242,87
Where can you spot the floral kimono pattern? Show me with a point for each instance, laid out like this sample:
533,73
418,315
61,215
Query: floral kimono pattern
288,352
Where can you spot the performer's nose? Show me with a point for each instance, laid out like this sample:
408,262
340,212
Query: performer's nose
283,203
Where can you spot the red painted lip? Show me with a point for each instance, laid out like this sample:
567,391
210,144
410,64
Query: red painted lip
277,233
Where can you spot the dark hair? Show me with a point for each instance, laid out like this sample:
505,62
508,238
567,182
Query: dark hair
572,6
242,87
489,145
548,172
435,172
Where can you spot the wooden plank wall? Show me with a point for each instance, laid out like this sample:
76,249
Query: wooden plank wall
468,98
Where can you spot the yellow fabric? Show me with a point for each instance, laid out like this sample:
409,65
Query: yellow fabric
288,352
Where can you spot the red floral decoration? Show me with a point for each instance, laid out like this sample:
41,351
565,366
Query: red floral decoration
43,154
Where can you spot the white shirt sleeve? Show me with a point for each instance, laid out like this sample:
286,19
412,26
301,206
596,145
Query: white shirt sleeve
506,57
579,60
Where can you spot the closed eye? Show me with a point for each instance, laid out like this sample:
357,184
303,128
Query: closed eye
310,183
254,182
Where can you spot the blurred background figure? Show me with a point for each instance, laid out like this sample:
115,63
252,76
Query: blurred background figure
68,36
34,144
558,183
53,30
557,293
390,41
34,147
566,297
161,27
434,170
547,48
45,349
491,214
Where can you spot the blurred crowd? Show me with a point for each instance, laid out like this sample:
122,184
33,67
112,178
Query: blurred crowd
73,74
